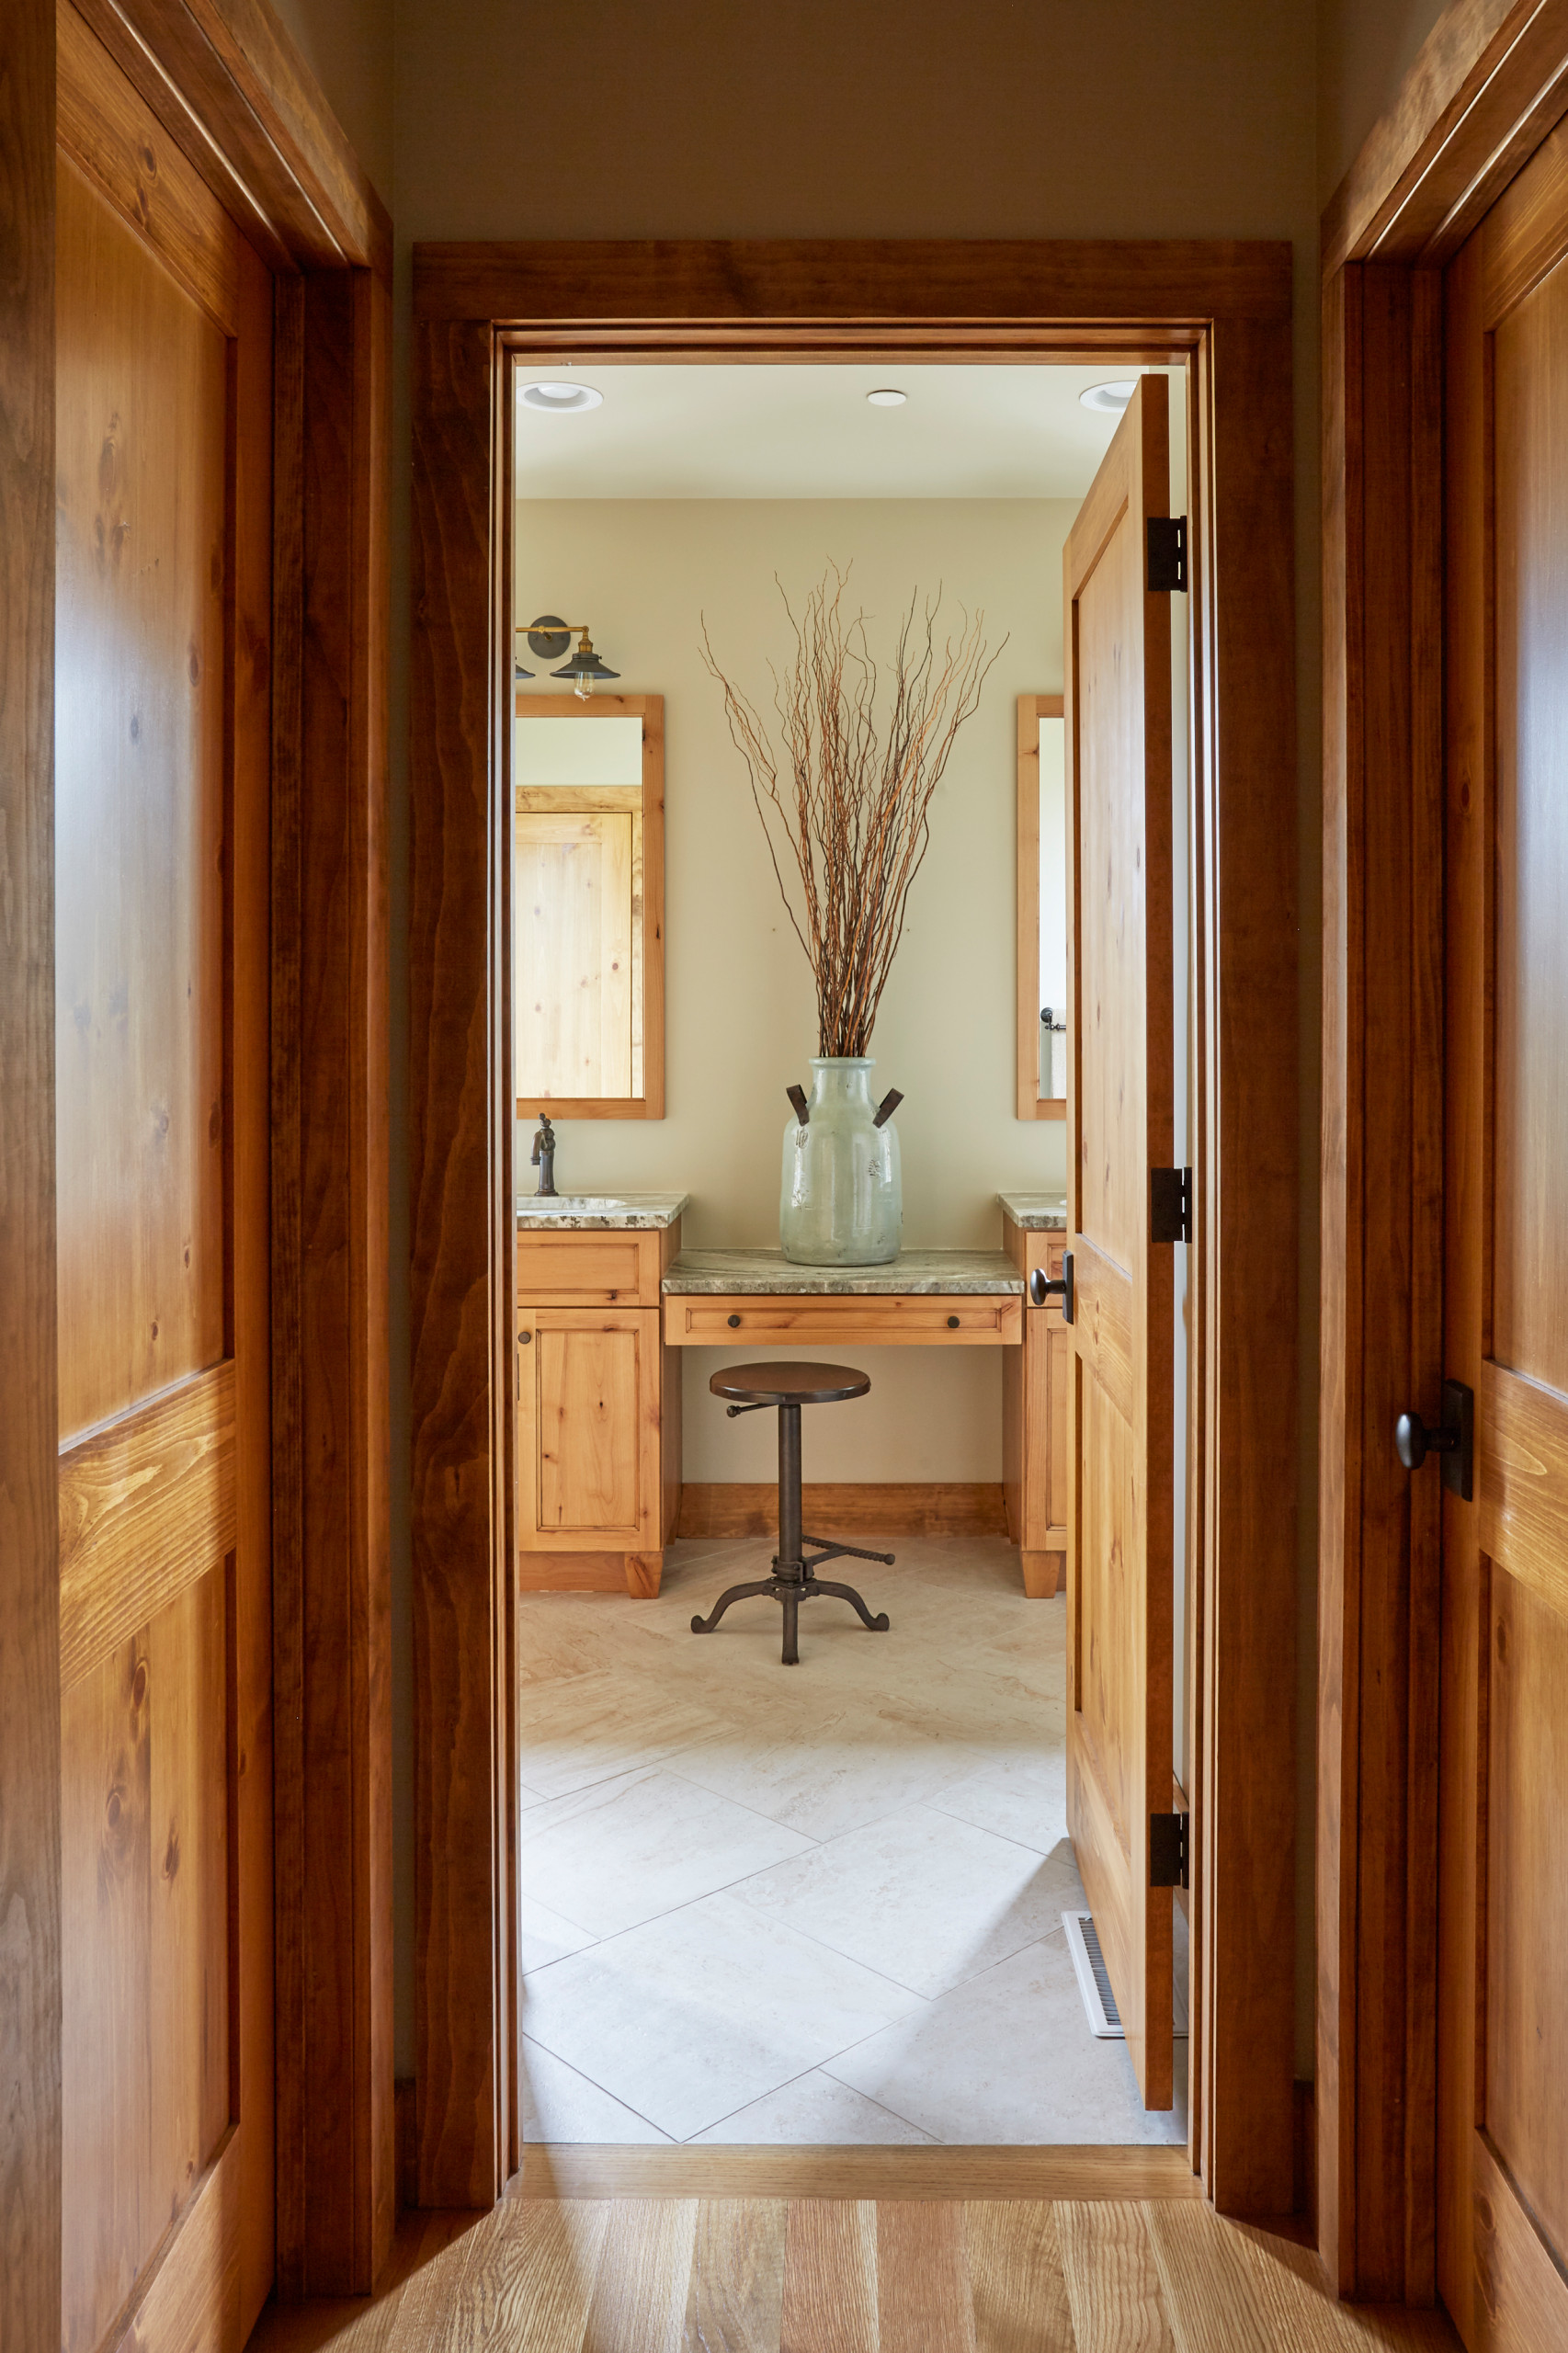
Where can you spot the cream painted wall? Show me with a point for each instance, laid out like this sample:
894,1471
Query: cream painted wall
1365,49
740,1009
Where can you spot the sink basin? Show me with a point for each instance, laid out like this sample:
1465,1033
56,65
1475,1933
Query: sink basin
570,1205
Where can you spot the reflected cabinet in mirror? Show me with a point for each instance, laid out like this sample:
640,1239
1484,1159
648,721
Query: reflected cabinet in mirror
1042,908
588,906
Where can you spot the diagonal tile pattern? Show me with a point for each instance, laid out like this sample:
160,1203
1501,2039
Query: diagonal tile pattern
809,1905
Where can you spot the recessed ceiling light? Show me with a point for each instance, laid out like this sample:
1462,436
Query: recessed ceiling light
558,399
887,398
1108,400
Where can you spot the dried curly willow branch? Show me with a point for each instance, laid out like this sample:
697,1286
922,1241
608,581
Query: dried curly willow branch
856,815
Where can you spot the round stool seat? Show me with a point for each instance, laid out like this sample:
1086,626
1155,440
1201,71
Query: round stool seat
790,1384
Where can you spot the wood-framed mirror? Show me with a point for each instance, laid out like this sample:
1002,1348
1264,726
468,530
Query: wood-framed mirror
1042,908
588,906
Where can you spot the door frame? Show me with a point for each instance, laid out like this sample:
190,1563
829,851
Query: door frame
1223,311
224,84
1488,85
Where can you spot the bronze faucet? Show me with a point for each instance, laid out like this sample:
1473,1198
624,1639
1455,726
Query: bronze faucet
543,1158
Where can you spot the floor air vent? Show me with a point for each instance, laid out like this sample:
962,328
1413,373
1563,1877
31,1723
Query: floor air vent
1094,1982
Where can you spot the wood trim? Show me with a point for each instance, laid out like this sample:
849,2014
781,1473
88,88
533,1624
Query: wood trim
193,2299
900,1507
1487,85
553,2170
229,87
30,1424
1032,1104
173,1460
650,1104
329,1174
888,1319
1170,283
1228,308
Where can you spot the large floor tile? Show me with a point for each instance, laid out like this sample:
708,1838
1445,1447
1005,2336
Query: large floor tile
573,1733
827,1766
1008,2057
816,2111
692,2016
1023,1798
926,1898
544,1936
627,1849
560,2104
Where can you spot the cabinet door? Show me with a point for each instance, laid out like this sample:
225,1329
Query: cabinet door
587,1429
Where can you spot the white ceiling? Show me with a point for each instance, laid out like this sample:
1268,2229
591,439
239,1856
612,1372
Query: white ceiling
766,431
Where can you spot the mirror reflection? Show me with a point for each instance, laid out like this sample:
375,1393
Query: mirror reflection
1052,910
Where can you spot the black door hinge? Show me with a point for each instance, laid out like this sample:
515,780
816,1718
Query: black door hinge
1168,553
1170,1205
1169,1851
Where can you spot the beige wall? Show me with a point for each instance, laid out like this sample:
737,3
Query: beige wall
1365,47
740,1008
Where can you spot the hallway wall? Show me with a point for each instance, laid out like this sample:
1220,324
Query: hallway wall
705,118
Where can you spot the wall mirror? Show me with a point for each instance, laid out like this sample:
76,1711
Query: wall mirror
588,906
1042,908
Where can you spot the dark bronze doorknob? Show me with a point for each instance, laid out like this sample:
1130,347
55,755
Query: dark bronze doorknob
1414,1442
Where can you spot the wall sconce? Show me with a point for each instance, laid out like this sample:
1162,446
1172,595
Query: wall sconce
549,637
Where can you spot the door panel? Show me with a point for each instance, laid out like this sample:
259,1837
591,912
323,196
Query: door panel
1503,2060
588,1430
162,756
1120,1528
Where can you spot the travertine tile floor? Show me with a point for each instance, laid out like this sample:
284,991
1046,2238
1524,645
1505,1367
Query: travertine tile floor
810,1904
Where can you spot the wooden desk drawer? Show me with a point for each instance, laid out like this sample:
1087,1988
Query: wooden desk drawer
589,1268
787,1319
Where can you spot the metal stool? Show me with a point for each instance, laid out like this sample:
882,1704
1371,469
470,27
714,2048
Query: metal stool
794,1578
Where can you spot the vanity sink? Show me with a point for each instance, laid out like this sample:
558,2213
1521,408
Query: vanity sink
570,1205
621,1211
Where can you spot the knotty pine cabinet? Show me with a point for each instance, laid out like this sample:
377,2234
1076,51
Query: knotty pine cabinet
1035,1392
597,1461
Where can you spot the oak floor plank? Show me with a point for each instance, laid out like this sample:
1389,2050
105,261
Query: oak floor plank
644,2268
924,2303
1208,2285
530,2282
830,2278
350,2323
1113,2282
1291,2294
1017,2284
735,2298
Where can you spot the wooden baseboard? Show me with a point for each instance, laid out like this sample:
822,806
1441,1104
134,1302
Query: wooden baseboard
551,2170
572,1572
906,1507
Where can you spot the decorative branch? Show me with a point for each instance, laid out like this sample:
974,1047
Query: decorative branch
855,815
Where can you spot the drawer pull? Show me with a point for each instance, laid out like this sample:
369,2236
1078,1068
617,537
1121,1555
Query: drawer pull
734,1322
953,1323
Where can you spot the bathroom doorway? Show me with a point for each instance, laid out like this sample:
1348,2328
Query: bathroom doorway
1227,930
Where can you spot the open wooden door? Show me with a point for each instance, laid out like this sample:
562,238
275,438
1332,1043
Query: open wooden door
1503,1882
162,675
1120,1545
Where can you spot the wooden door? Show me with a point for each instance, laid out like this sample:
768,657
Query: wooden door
1502,1908
1119,1638
161,766
588,1426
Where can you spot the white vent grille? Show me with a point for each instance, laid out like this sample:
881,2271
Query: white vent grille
1094,1980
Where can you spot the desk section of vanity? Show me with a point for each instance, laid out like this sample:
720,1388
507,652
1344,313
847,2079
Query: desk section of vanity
606,1303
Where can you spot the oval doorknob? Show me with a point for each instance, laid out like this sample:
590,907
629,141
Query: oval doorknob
1414,1442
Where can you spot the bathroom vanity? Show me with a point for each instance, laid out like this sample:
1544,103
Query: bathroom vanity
607,1298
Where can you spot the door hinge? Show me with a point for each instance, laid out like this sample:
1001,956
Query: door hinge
1169,1851
1170,1205
1168,553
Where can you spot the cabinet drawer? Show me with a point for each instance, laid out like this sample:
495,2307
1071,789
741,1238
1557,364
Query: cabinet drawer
588,1269
960,1319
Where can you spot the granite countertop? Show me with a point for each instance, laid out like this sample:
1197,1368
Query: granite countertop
600,1213
1037,1212
722,1272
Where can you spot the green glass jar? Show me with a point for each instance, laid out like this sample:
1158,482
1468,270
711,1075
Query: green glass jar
842,1204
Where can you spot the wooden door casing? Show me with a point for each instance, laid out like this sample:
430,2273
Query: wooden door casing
1503,1896
1119,1125
164,523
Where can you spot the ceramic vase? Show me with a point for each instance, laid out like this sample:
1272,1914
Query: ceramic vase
842,1204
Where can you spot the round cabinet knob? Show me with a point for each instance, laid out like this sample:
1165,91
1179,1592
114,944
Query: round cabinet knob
953,1323
734,1322
523,1339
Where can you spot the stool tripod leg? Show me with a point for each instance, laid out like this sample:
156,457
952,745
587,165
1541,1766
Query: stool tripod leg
790,1598
848,1593
735,1592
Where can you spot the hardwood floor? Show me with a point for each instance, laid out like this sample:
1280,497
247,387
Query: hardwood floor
813,2275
